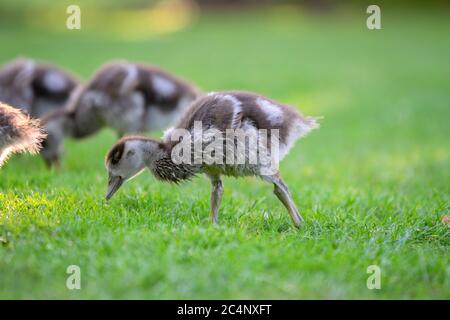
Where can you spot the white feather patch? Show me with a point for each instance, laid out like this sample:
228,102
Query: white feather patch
130,79
163,86
273,112
54,81
236,105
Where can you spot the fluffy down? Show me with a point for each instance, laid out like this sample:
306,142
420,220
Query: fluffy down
18,133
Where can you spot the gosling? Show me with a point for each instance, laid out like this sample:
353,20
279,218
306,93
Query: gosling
216,113
126,97
36,88
18,133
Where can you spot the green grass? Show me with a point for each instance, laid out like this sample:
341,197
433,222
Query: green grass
372,183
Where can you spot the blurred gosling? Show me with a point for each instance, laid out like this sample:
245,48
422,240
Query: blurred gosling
35,87
126,97
18,133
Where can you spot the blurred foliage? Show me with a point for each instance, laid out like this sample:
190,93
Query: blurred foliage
117,18
96,3
137,19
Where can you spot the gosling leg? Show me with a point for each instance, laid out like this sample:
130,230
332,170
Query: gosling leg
281,190
216,197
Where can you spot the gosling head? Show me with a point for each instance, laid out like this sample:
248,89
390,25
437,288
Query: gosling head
128,158
62,122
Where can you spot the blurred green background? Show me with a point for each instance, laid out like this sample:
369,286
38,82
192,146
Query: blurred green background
372,183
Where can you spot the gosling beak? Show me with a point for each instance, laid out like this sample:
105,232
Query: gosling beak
114,183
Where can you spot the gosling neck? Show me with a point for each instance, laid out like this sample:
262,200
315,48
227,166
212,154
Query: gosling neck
163,168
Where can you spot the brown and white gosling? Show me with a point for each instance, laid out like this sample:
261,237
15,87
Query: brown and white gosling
18,133
242,112
37,88
126,97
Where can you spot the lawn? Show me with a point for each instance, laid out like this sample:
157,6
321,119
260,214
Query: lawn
372,183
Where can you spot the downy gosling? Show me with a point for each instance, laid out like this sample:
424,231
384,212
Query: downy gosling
127,97
35,87
18,133
225,131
